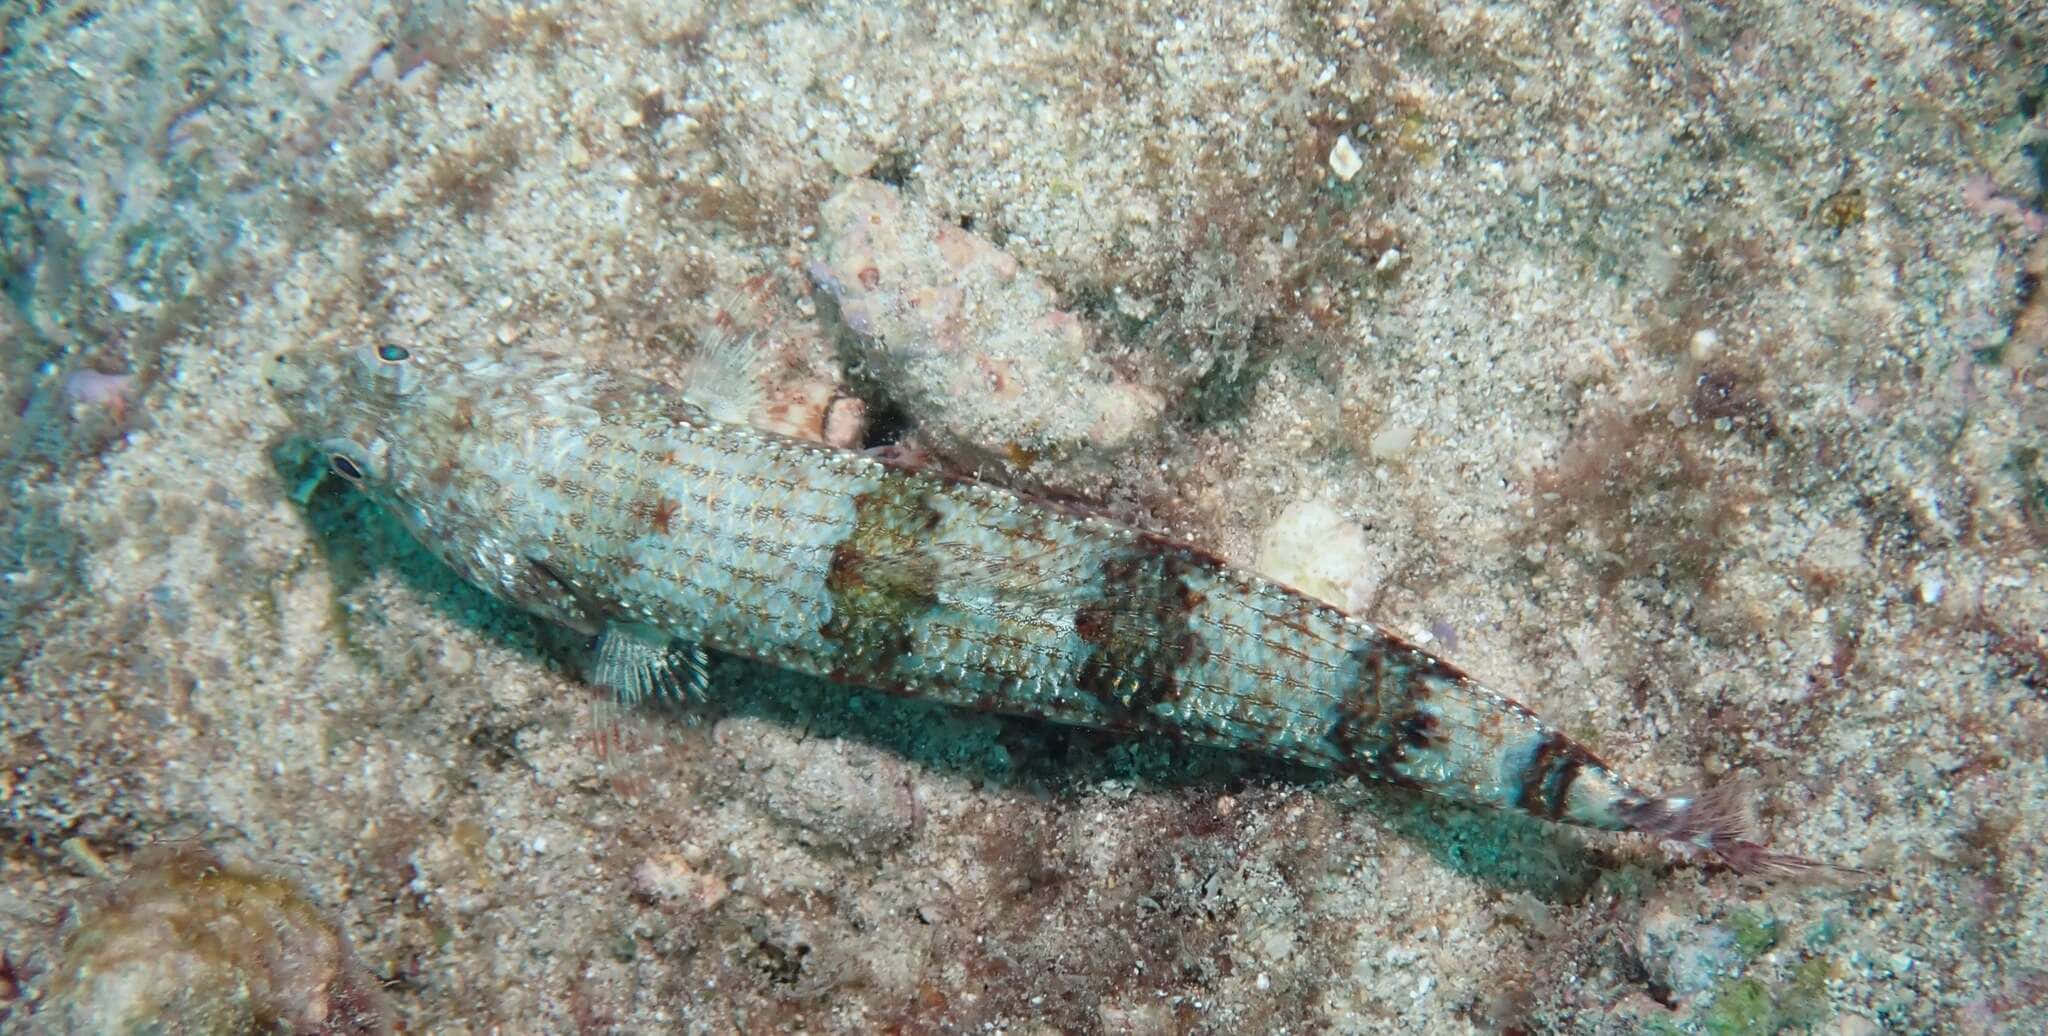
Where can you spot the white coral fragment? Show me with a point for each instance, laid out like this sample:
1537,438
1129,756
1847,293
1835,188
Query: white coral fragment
1344,160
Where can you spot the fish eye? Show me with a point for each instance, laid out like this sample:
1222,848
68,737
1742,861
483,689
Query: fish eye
345,467
393,353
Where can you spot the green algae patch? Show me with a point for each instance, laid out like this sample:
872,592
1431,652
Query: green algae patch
1754,932
1743,1008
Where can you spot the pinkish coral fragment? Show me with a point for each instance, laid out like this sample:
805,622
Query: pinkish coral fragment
969,343
1982,196
111,392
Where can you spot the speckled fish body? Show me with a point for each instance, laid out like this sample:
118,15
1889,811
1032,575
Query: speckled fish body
614,505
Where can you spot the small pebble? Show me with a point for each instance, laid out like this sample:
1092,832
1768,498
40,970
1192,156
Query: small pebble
1930,589
1344,160
1392,441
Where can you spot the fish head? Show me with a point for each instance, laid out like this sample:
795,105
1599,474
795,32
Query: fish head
347,402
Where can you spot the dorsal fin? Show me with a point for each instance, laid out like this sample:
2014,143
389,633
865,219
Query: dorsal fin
762,363
726,377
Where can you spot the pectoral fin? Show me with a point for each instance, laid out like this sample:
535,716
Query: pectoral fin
639,662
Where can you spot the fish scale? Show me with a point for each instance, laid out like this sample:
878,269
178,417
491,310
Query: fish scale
617,506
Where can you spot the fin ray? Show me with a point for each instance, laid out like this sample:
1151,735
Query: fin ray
638,663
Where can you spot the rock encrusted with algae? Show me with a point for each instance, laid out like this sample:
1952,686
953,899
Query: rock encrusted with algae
971,345
190,944
836,794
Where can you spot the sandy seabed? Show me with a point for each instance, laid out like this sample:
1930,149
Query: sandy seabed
1677,367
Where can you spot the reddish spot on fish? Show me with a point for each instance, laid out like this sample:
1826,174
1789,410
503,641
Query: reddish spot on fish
662,514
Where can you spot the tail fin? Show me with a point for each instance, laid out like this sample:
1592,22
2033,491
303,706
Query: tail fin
1719,823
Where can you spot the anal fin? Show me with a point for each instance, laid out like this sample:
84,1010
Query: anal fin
638,663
